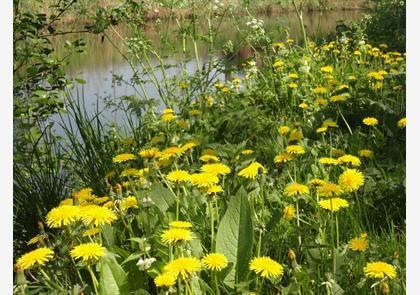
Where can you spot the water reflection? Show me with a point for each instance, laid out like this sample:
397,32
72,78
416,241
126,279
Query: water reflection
101,59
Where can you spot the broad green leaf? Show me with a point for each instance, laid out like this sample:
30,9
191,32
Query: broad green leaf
112,276
162,197
235,236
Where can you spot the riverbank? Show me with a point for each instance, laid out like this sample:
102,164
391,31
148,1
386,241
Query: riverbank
81,11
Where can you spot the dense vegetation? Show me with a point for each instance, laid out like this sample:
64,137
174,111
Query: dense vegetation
283,174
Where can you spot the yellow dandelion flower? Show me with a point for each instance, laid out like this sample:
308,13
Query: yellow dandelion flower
266,267
175,235
214,189
330,124
295,149
278,64
349,159
182,84
359,243
130,172
178,176
170,152
283,130
292,85
63,215
296,189
88,251
366,153
165,280
328,161
150,153
278,45
121,158
184,266
295,135
303,105
68,201
215,261
293,76
375,75
97,215
39,256
209,158
338,98
216,168
321,130
168,111
252,170
333,204
129,202
91,232
247,152
320,90
180,224
328,189
379,270
204,179
282,158
84,195
351,180
370,121
321,101
401,123
327,69
289,212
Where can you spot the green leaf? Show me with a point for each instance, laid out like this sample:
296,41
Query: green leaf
235,236
162,197
112,277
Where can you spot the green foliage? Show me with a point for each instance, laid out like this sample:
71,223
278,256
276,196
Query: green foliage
235,237
386,23
254,212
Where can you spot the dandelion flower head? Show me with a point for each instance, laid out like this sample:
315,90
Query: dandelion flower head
88,251
379,270
39,256
184,266
215,261
266,267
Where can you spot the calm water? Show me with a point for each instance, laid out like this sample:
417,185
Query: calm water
101,59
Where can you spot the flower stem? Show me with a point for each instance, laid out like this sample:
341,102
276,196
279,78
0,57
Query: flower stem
47,277
298,221
94,280
212,225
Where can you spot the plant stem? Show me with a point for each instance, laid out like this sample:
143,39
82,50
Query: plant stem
298,221
94,280
302,26
47,277
212,225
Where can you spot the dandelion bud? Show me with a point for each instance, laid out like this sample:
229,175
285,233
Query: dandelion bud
291,255
384,288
